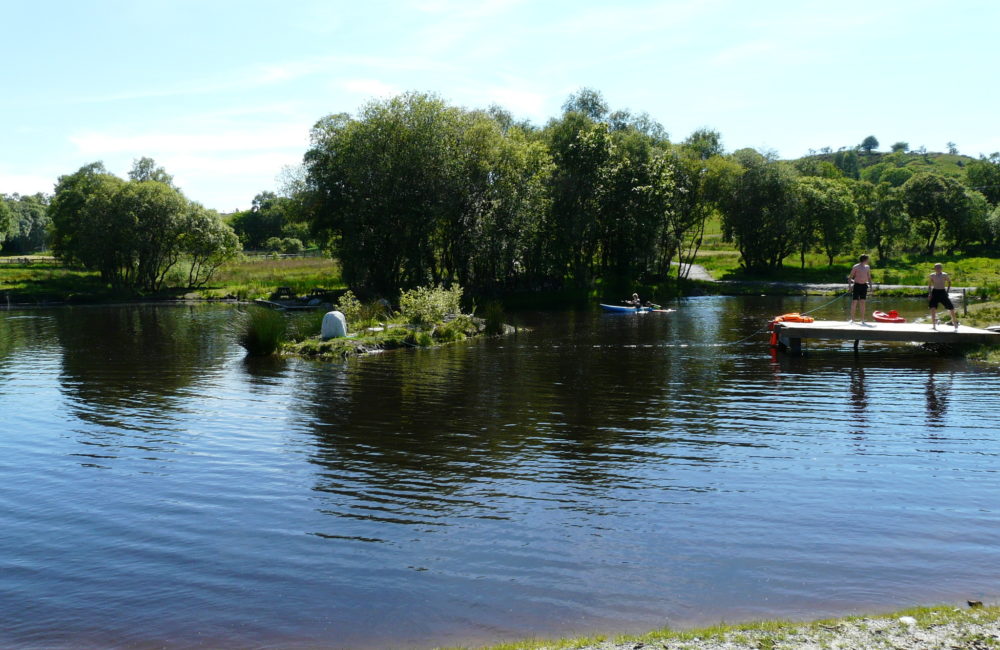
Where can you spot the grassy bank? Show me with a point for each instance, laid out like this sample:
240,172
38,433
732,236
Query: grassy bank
43,280
926,627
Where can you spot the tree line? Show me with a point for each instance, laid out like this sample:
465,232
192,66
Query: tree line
138,231
413,191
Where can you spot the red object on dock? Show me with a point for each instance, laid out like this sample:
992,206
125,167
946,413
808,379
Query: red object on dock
892,316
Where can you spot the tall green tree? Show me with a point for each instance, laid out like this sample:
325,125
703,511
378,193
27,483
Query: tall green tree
759,211
705,143
30,229
131,232
983,175
581,151
931,200
869,144
828,206
415,191
883,217
6,220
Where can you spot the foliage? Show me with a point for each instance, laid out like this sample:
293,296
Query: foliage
829,206
885,225
984,175
6,220
29,222
208,242
493,315
705,143
260,331
932,201
428,305
758,211
417,191
869,144
134,232
271,217
900,147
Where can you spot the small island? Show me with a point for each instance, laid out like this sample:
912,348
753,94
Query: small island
426,317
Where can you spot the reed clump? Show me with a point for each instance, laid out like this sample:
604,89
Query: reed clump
261,332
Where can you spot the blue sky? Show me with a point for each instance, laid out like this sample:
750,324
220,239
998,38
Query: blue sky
223,93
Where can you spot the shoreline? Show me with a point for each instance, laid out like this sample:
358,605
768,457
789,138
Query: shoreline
976,627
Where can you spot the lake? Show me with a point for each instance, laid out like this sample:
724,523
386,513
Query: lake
596,473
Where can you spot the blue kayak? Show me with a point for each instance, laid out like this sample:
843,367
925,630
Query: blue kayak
624,308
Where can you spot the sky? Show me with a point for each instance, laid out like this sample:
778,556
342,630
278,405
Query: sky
223,94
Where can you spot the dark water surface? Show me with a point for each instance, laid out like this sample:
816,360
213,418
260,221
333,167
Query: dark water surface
599,473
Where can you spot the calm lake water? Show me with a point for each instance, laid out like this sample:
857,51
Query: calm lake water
599,473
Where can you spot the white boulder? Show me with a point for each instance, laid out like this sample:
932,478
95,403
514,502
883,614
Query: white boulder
334,326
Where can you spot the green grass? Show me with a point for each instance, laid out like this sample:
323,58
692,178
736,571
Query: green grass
766,633
251,278
50,281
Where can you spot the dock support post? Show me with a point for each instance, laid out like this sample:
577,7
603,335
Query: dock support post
795,346
856,341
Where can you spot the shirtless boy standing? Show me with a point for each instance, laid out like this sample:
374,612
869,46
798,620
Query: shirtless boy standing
937,292
860,279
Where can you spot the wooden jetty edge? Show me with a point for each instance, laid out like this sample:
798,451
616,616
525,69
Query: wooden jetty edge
790,335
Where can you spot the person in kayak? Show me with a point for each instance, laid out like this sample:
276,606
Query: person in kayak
859,279
938,285
635,302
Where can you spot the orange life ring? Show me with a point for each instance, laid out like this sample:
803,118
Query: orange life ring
793,317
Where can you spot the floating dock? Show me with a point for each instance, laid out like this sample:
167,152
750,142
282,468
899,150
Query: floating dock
790,335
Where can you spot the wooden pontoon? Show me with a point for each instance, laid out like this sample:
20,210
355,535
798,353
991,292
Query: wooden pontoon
790,335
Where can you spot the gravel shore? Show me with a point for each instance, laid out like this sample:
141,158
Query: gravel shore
937,629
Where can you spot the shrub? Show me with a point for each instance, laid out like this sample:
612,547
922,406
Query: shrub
428,305
493,315
272,244
291,245
260,331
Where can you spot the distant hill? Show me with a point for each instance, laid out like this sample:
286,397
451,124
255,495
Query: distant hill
870,166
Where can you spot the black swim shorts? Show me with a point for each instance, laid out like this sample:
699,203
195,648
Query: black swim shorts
940,296
860,291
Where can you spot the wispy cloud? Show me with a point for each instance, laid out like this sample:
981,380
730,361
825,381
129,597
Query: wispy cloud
368,88
100,143
12,183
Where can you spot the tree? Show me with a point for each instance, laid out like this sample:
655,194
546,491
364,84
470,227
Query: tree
30,222
705,142
931,200
208,242
869,144
847,162
581,152
883,217
270,215
829,205
758,211
953,148
984,175
414,191
900,147
588,102
80,212
145,169
6,220
131,232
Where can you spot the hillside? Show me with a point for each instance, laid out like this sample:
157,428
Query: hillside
858,164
